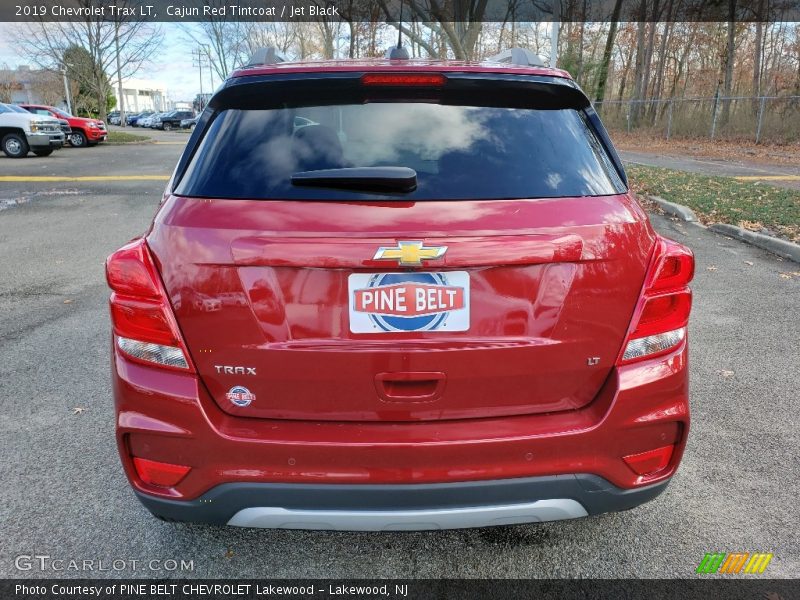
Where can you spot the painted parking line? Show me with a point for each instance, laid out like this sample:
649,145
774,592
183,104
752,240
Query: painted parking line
56,178
768,178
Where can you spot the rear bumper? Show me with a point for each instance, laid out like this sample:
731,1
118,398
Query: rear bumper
494,468
404,507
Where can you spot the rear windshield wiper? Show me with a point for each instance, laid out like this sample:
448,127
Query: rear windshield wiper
372,179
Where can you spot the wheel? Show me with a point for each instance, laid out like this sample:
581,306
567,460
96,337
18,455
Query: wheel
167,127
77,139
15,145
44,152
191,126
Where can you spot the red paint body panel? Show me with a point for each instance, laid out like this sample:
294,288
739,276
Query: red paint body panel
553,282
641,407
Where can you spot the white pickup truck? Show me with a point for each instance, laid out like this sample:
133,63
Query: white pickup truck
23,132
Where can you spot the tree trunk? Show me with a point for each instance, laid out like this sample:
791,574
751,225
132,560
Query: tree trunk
758,51
638,74
602,78
727,85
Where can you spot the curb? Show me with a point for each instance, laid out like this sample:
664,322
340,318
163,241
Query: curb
783,248
676,210
777,246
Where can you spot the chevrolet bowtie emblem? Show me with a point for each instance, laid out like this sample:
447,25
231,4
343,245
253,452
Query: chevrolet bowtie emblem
410,254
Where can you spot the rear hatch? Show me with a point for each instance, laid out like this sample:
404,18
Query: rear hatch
503,284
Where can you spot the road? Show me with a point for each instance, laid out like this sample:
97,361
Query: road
786,176
63,493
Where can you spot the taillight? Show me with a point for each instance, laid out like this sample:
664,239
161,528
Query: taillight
144,326
662,313
404,79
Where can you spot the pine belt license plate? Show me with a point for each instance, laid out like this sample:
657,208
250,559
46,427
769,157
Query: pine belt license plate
408,302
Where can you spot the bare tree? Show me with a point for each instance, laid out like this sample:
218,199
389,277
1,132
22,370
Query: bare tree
46,43
225,40
8,83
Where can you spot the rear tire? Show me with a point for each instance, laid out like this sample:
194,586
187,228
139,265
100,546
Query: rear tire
15,145
167,127
46,152
77,139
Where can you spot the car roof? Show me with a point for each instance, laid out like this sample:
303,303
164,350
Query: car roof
384,65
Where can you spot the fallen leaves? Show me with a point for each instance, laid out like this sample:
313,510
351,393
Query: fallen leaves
78,410
725,373
711,268
748,263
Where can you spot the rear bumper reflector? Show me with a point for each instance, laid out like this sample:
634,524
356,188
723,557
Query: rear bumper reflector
653,344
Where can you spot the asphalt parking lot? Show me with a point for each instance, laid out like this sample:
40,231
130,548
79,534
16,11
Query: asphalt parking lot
63,493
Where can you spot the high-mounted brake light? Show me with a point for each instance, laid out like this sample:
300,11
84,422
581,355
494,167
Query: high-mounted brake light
144,326
404,79
662,313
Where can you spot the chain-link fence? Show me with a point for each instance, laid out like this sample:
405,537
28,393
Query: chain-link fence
760,119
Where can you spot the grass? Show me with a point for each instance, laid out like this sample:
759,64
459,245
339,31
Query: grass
752,205
120,137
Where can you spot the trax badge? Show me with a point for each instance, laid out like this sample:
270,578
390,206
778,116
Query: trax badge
410,254
240,396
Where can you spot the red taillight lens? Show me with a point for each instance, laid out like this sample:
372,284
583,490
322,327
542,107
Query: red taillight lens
404,79
158,473
141,320
650,462
144,325
663,312
675,267
130,271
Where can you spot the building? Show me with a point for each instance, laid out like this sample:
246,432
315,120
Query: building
32,86
142,94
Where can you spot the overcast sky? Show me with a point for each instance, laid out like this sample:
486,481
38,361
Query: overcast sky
172,67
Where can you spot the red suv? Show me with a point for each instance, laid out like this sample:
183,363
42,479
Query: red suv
399,295
85,131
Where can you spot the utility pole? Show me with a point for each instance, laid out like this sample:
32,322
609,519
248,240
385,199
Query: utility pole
198,57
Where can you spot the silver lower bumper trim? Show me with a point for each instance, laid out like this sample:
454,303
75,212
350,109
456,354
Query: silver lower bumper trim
409,520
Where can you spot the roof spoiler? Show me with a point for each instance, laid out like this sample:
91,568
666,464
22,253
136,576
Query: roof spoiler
518,56
265,56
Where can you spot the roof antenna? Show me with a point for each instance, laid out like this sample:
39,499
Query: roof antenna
398,52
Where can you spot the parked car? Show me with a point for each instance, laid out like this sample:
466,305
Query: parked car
172,120
152,120
113,117
63,123
457,313
189,123
84,131
133,120
22,132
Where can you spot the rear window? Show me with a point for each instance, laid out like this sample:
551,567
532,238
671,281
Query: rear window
458,152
